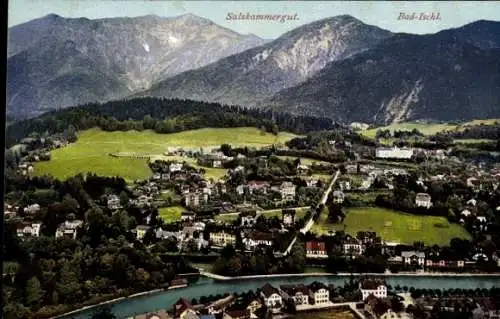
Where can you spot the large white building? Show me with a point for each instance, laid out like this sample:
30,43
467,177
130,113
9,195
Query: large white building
373,287
271,296
395,153
319,294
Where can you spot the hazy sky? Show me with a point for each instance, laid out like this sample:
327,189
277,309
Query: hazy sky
382,14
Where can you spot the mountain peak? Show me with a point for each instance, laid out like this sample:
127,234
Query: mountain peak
193,19
52,16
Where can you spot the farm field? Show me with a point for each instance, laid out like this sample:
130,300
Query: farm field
395,226
170,214
90,152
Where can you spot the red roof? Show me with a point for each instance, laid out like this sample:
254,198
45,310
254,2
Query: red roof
258,184
180,306
315,246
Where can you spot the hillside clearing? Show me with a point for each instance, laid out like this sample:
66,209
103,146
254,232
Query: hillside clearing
428,128
90,152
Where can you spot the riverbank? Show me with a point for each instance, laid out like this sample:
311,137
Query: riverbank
109,302
323,274
159,298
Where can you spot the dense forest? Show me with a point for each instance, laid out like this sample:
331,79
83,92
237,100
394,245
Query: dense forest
162,116
45,275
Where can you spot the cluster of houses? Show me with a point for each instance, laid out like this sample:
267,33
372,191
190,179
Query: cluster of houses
430,259
268,299
407,153
286,189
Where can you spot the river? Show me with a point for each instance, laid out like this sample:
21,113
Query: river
206,286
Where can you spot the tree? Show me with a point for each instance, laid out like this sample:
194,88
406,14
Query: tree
123,198
33,291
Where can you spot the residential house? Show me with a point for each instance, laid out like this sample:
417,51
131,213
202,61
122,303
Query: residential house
351,168
142,201
436,262
465,213
256,238
32,209
319,293
240,189
195,199
222,238
140,231
311,181
253,305
368,237
258,186
481,223
188,216
159,314
29,230
338,197
182,309
237,314
373,287
248,218
472,202
345,185
352,246
287,190
164,234
220,305
423,200
413,258
316,248
113,202
394,153
215,160
175,167
185,189
200,226
271,296
9,211
302,169
480,256
288,216
68,229
298,293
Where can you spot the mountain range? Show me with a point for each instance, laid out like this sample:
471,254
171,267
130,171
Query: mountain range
337,67
451,75
55,62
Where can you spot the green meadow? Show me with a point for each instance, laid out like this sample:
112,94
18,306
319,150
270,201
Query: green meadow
395,226
429,128
424,128
171,214
91,152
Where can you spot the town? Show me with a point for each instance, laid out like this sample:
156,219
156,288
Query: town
332,202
